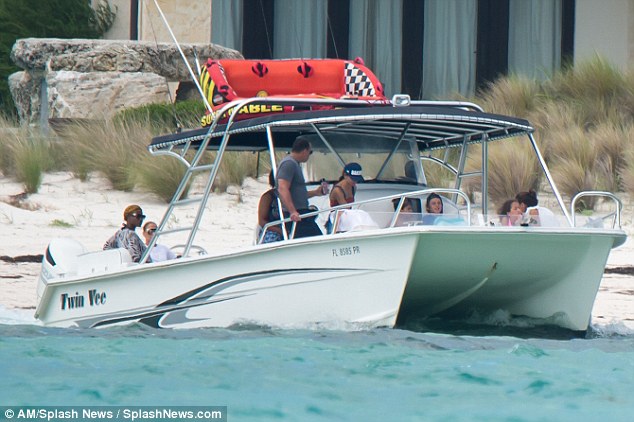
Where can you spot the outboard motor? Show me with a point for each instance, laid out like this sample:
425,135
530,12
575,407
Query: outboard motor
60,260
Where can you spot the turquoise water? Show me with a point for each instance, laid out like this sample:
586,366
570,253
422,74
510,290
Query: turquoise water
264,374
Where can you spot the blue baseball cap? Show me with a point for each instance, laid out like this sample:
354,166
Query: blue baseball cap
355,172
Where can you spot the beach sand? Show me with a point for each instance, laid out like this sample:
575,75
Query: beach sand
92,212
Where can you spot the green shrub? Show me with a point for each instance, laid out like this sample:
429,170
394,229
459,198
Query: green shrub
165,117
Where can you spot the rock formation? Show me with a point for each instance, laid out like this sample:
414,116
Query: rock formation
94,78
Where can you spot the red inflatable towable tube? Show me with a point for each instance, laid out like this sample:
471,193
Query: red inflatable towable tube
223,81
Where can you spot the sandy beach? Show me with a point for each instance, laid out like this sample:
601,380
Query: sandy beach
90,212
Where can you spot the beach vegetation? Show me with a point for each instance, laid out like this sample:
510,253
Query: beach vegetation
161,176
515,170
234,168
166,117
109,146
27,155
60,223
583,118
512,95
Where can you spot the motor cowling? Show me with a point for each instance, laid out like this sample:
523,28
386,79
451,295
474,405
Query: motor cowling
59,261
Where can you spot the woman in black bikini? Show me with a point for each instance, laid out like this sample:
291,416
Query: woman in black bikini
343,192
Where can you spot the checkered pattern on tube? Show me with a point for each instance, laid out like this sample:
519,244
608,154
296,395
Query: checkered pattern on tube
357,82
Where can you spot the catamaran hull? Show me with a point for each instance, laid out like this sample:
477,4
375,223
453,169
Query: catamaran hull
342,283
356,280
540,273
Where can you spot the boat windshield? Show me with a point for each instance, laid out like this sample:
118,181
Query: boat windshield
382,159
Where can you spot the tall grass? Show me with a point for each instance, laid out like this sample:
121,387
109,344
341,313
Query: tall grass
583,117
161,176
512,169
7,128
574,160
31,156
111,147
514,95
626,170
234,168
26,155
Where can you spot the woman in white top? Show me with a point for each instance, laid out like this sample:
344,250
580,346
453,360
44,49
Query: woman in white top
158,252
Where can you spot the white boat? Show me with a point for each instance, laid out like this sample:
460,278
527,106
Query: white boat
380,275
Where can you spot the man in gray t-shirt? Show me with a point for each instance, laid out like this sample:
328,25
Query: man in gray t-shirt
291,188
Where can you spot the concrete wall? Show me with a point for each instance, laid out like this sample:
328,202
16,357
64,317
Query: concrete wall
189,19
606,28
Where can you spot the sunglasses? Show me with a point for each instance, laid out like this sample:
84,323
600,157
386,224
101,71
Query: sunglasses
139,216
151,231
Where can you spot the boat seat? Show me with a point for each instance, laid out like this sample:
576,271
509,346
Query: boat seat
103,261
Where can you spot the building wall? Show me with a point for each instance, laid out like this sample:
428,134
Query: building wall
190,21
606,28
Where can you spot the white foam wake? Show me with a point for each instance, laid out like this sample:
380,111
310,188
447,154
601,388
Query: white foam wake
17,316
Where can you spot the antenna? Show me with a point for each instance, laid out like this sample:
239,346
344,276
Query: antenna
180,50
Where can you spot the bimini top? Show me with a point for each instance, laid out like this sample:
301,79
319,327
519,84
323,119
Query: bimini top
432,126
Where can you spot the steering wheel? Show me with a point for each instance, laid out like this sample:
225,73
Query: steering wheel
199,250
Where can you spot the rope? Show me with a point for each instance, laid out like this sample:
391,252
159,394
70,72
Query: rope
178,124
266,28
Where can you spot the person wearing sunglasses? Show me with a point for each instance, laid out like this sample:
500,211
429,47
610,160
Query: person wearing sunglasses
158,252
126,236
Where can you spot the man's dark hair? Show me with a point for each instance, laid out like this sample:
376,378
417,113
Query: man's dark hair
300,144
529,198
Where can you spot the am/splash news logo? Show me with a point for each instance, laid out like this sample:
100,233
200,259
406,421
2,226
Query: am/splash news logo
104,413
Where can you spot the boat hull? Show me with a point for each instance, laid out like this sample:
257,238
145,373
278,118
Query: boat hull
539,273
351,281
342,283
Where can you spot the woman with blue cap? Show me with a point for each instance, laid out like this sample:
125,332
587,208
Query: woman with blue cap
343,192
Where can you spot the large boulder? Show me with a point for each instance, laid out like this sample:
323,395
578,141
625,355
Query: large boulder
73,94
26,93
78,78
114,56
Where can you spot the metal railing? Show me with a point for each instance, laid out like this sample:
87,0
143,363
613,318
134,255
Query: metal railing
617,201
401,197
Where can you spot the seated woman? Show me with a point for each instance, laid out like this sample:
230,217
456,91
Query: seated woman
510,213
158,252
407,215
434,208
126,236
268,200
